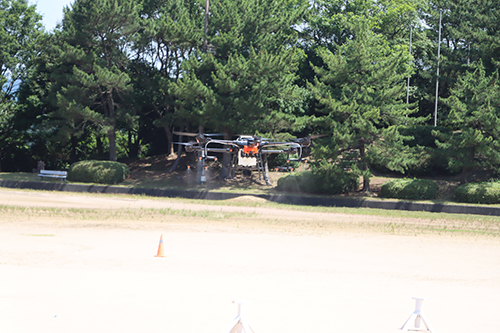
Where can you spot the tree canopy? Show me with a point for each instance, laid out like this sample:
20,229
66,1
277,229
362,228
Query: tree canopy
116,78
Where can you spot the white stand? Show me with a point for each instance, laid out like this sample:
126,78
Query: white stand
418,315
239,324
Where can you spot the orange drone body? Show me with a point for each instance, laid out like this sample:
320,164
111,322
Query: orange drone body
251,150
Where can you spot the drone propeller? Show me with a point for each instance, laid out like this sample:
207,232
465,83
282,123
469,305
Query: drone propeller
214,134
191,143
317,136
196,134
255,137
185,133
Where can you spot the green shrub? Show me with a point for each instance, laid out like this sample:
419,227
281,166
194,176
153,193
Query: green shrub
482,193
412,189
101,172
320,181
280,160
431,160
302,181
335,180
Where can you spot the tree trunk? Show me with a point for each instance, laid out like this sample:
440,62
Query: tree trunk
364,169
72,156
467,169
366,184
178,159
112,144
170,140
112,130
463,176
226,161
133,144
100,148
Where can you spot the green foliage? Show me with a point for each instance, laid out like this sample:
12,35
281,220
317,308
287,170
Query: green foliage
333,179
301,182
241,84
418,150
412,189
481,193
475,120
101,172
94,41
326,180
20,30
360,90
280,160
120,76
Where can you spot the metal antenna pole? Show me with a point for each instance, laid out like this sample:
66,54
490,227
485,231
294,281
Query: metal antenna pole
200,163
207,10
468,57
408,86
437,76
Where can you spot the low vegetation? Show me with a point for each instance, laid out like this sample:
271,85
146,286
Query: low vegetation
480,193
323,181
101,172
412,189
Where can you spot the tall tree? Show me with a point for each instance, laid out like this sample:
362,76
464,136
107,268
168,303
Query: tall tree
20,29
98,33
173,30
469,32
251,64
361,92
475,120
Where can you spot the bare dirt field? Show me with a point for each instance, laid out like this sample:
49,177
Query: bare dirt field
81,263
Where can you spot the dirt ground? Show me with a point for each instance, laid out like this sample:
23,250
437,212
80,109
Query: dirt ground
82,271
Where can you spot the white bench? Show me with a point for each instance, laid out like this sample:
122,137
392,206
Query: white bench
53,174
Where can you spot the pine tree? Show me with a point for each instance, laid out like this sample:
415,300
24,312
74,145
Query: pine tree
20,28
475,120
96,37
173,30
477,31
249,66
361,92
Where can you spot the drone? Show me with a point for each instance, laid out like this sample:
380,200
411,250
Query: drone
248,152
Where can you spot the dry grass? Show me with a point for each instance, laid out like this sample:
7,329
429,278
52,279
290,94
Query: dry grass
246,212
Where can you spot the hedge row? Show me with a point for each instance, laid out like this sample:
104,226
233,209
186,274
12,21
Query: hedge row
412,189
320,182
101,172
482,193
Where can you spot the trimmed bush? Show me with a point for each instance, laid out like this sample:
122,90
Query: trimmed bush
303,181
412,189
332,181
101,172
482,193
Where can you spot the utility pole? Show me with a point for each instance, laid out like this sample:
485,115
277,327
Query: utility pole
437,76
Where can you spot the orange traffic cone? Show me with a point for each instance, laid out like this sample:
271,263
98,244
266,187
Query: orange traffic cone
160,248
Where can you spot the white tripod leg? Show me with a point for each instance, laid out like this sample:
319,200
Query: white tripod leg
418,317
239,324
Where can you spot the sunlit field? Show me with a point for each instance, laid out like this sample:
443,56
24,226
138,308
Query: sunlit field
80,263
